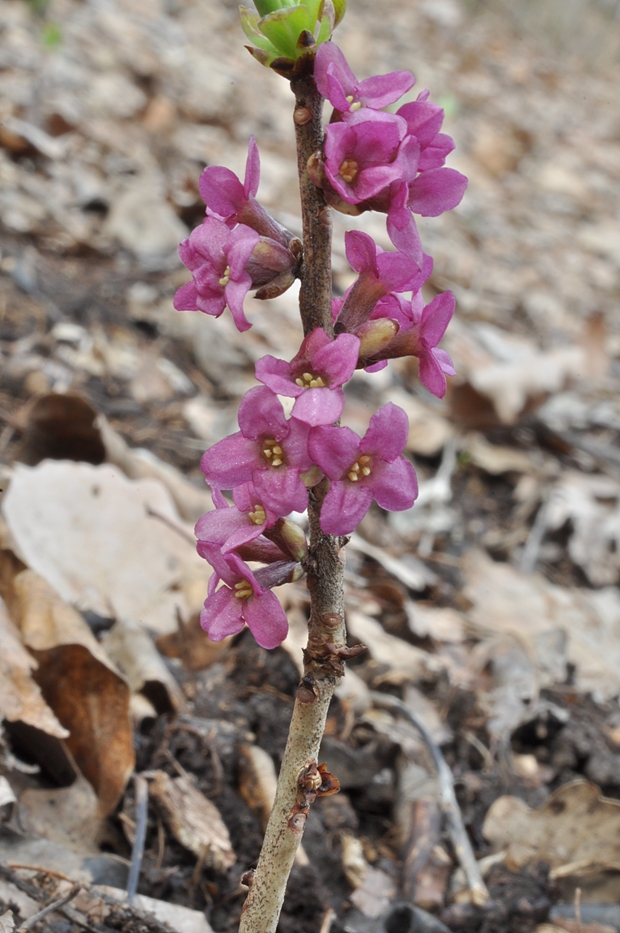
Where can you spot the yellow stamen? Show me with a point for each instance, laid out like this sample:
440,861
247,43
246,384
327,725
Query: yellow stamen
243,589
273,452
226,277
354,106
310,381
361,466
348,170
257,517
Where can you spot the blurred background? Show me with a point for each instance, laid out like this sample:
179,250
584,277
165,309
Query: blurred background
492,607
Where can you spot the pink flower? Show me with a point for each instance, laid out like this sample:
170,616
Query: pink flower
421,329
241,601
216,256
269,451
424,120
361,155
338,84
234,202
230,527
363,470
379,274
314,376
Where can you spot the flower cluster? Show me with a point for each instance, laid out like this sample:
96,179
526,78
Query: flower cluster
382,161
372,159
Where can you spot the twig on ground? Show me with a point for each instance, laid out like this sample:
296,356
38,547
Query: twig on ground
142,800
449,803
32,891
55,905
328,919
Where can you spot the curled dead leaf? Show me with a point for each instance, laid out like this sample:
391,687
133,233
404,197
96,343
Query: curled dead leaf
20,695
87,694
194,820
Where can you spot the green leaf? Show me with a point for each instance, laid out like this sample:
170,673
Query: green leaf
284,27
250,24
265,7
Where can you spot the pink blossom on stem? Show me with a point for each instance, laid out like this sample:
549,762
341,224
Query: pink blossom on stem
234,202
424,120
421,329
362,155
230,527
346,94
240,601
269,451
361,470
216,256
379,274
314,376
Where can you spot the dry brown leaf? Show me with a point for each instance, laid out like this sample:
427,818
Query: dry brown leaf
541,617
20,696
592,505
374,896
190,644
495,459
80,684
194,820
440,623
257,780
388,649
68,816
140,555
354,862
133,652
574,826
142,464
511,375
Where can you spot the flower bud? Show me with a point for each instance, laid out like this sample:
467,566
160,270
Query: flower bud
272,267
375,335
286,571
290,538
283,31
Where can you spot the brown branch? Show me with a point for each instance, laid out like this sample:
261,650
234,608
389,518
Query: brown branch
300,780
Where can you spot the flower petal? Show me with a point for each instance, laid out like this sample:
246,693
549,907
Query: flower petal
333,449
319,406
344,507
266,619
395,486
262,415
231,461
387,433
222,615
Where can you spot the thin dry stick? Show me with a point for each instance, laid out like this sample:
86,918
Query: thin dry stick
449,803
29,924
299,779
142,802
